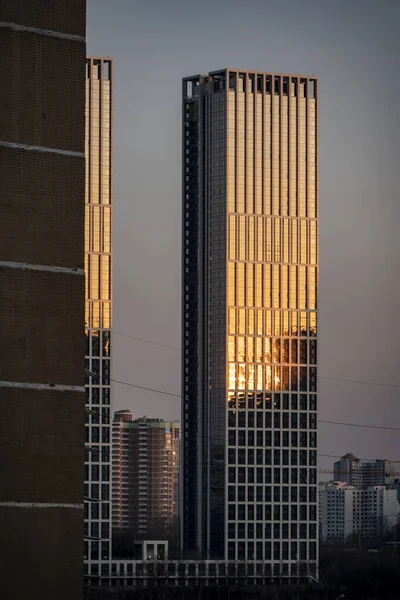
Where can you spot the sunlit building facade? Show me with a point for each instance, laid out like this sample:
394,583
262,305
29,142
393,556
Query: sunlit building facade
98,296
249,335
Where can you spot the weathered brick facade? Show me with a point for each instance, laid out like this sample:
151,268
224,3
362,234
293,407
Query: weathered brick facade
42,176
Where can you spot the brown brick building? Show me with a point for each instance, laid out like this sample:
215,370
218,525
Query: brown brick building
42,177
145,473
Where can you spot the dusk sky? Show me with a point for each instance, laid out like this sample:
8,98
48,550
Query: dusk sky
353,47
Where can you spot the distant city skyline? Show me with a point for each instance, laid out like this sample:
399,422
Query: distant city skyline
360,248
361,499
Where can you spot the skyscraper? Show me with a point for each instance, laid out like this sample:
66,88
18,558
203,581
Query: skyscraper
250,272
98,295
43,48
145,471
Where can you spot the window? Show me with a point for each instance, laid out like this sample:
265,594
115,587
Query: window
268,475
94,510
241,475
241,512
231,550
105,435
259,475
105,491
105,510
95,473
232,475
94,550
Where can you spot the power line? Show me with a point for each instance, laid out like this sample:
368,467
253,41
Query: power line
374,471
390,385
107,421
141,387
360,425
358,457
356,381
360,519
134,337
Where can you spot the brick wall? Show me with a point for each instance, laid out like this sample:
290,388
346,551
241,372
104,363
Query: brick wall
41,310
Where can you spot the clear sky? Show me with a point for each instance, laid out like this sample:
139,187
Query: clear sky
353,46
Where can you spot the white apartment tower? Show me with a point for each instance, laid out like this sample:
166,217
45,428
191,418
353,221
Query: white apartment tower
346,510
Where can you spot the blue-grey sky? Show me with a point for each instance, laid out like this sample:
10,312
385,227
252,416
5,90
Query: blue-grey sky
353,46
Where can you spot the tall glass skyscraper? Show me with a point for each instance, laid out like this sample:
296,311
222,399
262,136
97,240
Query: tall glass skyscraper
98,295
250,274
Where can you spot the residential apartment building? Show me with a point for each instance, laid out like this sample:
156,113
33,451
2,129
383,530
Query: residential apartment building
365,474
42,175
145,474
249,318
98,310
348,470
378,472
346,510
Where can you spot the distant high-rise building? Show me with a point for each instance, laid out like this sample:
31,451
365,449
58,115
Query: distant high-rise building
346,510
365,474
348,470
98,309
42,175
145,473
378,472
249,334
